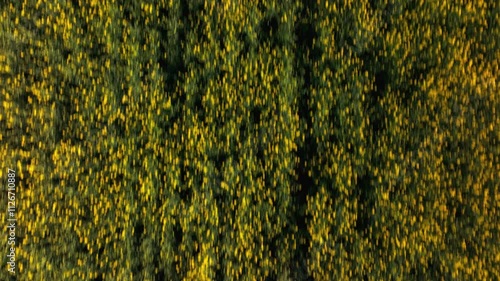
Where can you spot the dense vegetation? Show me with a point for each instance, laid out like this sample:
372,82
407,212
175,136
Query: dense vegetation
252,140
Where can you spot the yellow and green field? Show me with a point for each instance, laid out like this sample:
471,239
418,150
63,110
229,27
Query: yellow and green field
250,140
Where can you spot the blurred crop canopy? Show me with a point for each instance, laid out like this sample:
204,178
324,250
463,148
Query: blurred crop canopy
291,140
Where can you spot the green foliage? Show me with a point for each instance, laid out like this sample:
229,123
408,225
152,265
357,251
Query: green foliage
252,140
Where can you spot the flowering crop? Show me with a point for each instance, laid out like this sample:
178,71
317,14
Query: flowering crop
252,140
